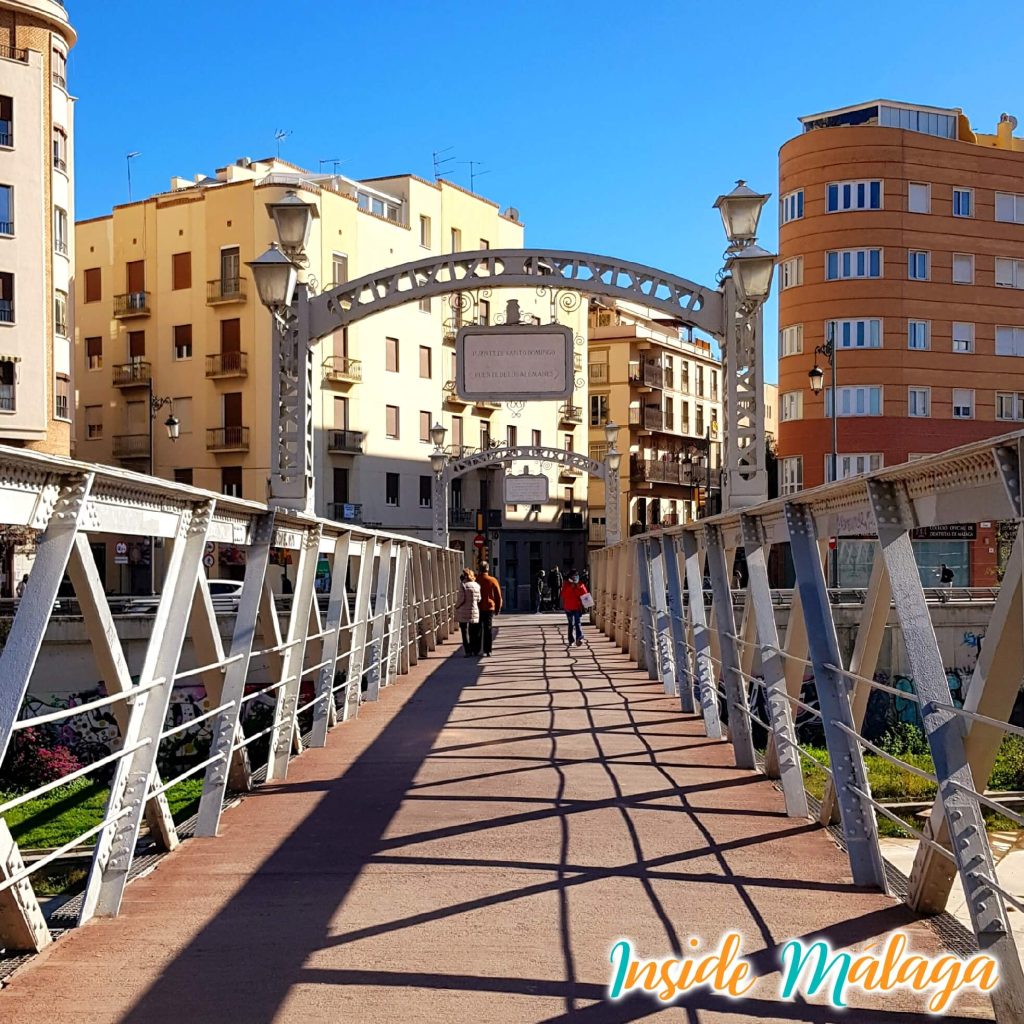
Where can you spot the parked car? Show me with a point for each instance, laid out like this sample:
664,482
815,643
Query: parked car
224,594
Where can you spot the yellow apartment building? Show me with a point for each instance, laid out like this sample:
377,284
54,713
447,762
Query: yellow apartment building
663,387
168,318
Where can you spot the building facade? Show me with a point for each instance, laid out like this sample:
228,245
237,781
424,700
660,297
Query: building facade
168,319
664,389
900,240
36,211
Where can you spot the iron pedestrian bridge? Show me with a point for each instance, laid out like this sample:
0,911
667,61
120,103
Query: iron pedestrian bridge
482,831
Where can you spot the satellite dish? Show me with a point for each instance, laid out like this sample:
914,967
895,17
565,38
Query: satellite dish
1010,119
512,213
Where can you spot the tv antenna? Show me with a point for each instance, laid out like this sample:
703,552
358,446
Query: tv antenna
473,172
333,161
130,157
440,160
280,135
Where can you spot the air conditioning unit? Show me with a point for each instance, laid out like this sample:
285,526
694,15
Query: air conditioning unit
605,319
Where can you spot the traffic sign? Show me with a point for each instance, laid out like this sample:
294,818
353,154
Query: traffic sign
208,561
832,543
479,541
121,548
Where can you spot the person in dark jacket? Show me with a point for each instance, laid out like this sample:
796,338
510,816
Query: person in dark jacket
572,593
540,589
490,605
555,586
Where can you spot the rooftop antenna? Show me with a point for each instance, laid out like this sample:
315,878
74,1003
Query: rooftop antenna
130,157
440,160
281,135
473,172
330,160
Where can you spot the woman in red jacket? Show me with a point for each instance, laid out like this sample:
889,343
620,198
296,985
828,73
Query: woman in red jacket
572,592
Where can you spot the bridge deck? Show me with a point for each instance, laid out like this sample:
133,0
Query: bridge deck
468,850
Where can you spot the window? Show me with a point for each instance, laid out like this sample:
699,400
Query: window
698,424
339,268
93,422
510,435
136,346
917,265
423,305
425,231
791,273
391,422
485,434
1009,406
456,493
425,427
853,195
60,230
231,481
391,355
1010,207
963,268
456,240
569,442
852,465
6,209
570,498
963,202
6,297
598,410
61,387
700,380
859,400
918,334
182,406
391,489
919,401
183,476
791,206
6,121
484,244
963,337
924,121
792,405
855,333
535,438
919,198
94,353
963,404
60,313
8,385
1010,341
791,340
93,285
425,492
1009,273
59,67
181,270
457,434
792,474
183,341
850,263
340,412
425,362
483,313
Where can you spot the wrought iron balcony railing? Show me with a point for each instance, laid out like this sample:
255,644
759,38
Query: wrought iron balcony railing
227,439
14,53
572,520
570,413
345,512
659,472
131,304
227,364
650,418
222,290
131,446
342,370
132,375
345,441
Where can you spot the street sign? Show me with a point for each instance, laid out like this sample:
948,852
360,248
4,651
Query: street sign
121,548
526,489
479,541
209,547
208,561
518,362
832,543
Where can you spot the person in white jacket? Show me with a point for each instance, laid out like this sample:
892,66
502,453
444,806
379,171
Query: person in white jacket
467,612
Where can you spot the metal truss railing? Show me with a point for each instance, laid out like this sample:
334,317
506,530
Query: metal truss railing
391,601
665,599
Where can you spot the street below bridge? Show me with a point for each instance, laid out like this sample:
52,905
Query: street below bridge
469,849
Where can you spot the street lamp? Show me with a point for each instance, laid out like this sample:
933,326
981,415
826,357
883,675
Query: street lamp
741,210
293,218
438,460
612,462
816,379
752,270
437,435
275,276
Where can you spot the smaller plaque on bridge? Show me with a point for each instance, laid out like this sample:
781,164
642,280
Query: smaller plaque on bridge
526,489
518,362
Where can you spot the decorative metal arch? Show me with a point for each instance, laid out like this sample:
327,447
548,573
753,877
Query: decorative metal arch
693,304
527,453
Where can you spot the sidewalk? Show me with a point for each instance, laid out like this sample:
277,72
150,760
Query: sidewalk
468,850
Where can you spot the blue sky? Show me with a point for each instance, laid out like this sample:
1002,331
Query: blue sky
610,126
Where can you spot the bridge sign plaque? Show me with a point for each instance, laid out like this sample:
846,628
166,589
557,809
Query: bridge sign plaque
521,362
526,489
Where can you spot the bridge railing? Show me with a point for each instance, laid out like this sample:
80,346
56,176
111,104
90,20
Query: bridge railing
666,599
390,602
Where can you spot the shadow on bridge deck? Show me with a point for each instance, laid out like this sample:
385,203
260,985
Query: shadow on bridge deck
468,850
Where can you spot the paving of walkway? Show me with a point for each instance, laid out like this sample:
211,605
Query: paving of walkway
469,849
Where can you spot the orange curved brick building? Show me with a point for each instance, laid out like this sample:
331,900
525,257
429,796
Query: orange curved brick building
902,238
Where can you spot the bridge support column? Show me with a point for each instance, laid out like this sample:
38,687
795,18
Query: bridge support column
677,623
22,925
701,637
892,510
337,612
380,606
762,613
646,642
844,751
662,627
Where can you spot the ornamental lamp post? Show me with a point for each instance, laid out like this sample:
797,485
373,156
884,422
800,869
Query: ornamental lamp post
741,210
816,379
173,425
437,435
612,461
275,276
752,270
293,218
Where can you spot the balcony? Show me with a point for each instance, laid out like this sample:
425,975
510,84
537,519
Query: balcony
345,442
223,290
462,518
13,53
131,446
646,374
60,163
133,375
572,520
6,227
570,413
597,532
570,472
452,397
59,79
486,406
655,471
131,304
227,364
342,370
227,439
345,512
649,418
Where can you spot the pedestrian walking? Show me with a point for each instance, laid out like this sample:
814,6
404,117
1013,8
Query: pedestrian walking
19,591
945,575
490,605
555,586
540,589
467,612
572,595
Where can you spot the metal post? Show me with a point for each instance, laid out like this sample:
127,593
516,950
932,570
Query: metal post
660,611
844,752
440,510
380,613
676,612
612,507
645,622
701,637
894,517
337,609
